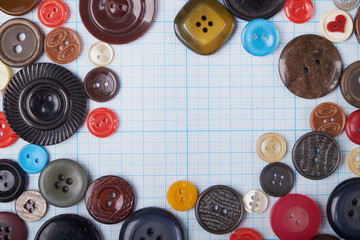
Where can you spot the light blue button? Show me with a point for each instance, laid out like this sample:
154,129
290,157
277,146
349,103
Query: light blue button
260,37
33,158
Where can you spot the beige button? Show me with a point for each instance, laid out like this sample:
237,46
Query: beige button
353,161
101,54
255,201
271,147
30,206
5,75
336,25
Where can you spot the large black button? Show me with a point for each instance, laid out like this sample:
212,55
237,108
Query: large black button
12,180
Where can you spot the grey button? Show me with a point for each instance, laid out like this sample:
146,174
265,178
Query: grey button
346,5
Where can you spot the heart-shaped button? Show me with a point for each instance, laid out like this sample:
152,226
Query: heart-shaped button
338,25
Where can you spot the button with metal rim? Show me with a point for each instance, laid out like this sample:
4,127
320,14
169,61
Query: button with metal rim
299,11
12,227
271,147
352,161
12,180
346,5
33,158
349,84
277,179
5,75
53,13
352,127
102,122
255,201
7,136
18,7
101,54
336,25
245,234
31,206
182,195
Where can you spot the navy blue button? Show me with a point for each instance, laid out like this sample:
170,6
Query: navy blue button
33,158
343,209
260,37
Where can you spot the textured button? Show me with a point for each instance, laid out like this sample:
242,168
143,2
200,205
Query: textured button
12,228
33,158
352,161
5,75
271,147
151,223
352,127
295,217
102,122
324,237
343,209
21,42
255,201
277,179
101,54
299,11
182,195
12,180
245,234
31,206
63,183
350,87
328,118
18,7
7,136
53,13
203,26
336,26
219,209
316,155
310,66
101,84
346,5
109,199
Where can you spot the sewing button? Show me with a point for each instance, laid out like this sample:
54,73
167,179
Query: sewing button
295,217
343,209
277,179
299,11
203,26
255,201
271,147
346,5
328,118
12,228
53,13
245,234
182,196
31,206
18,7
5,75
109,199
336,26
352,127
63,183
33,158
324,237
349,84
101,54
352,161
310,66
219,209
21,42
102,122
7,136
12,180
357,25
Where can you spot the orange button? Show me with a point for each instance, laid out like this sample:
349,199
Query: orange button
182,196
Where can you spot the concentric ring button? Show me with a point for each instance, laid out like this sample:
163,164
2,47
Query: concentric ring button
352,161
271,147
245,234
53,13
255,201
336,25
12,227
101,54
182,196
346,5
352,127
31,206
349,84
12,180
299,11
33,158
5,75
7,136
102,122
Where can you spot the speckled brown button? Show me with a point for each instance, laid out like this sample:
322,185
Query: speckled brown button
11,226
17,7
30,206
310,66
62,45
350,87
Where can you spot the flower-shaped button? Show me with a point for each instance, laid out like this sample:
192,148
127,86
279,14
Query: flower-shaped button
336,25
299,11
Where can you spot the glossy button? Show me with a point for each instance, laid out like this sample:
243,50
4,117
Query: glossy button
63,183
245,234
346,5
357,25
12,180
30,206
7,136
277,179
295,217
299,11
102,122
53,13
255,201
203,26
271,147
336,26
18,7
352,161
101,54
182,195
5,75
33,158
352,127
350,86
12,227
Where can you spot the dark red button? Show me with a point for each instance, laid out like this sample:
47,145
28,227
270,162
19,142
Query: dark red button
102,122
11,227
7,136
352,127
299,11
53,13
245,234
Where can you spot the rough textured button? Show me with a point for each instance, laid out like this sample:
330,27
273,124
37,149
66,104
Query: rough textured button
316,155
117,21
346,5
101,84
343,209
299,11
63,183
53,13
5,75
336,26
21,42
350,87
271,147
249,10
7,136
33,158
245,234
182,195
109,199
352,161
151,223
101,54
277,179
219,209
310,66
324,237
12,180
255,201
68,226
102,122
12,227
352,127
328,118
18,7
295,217
203,26
31,206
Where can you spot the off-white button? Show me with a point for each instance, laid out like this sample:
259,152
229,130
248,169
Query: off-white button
101,54
255,201
30,206
352,161
271,147
336,25
5,76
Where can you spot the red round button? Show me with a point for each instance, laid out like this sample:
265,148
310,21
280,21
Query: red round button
53,13
299,11
102,122
245,234
7,136
352,127
295,217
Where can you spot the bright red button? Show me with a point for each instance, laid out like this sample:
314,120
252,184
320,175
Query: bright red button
352,127
7,136
295,217
53,13
245,234
299,11
102,122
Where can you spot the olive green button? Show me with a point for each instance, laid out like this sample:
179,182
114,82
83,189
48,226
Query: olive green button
63,183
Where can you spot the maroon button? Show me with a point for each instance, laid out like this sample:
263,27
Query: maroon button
11,227
352,127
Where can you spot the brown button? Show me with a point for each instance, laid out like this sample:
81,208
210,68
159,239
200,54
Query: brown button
101,84
357,25
21,42
18,7
62,45
310,66
11,227
328,118
350,87
31,206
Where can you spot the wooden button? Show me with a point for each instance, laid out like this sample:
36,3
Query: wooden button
352,161
18,7
350,87
271,147
11,226
182,195
31,206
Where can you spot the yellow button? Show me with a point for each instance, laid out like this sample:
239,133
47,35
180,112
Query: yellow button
353,161
182,196
5,75
101,54
271,147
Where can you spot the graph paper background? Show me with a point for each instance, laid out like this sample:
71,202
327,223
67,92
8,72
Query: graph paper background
190,117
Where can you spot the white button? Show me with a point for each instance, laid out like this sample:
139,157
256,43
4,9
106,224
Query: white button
336,26
5,76
101,54
255,201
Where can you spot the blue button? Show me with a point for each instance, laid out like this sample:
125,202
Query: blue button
33,158
260,37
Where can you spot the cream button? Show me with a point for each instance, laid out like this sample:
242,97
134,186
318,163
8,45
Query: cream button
101,54
352,161
336,26
5,75
271,147
30,206
255,201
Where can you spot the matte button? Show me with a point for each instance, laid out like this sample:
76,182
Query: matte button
31,206
151,223
219,209
102,122
182,196
270,147
21,42
245,234
299,11
12,227
12,180
7,136
352,161
295,217
101,54
5,75
53,13
18,7
63,183
346,5
310,66
357,25
109,199
349,85
203,26
255,201
277,179
324,237
336,26
352,127
33,158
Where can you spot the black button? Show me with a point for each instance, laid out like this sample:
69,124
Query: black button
12,180
324,237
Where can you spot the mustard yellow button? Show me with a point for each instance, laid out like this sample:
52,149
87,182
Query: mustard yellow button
5,75
271,147
353,162
101,54
182,196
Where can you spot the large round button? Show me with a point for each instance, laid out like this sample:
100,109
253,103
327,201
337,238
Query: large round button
33,158
53,13
12,180
102,122
63,183
31,206
7,136
346,5
151,223
350,87
336,26
109,199
18,7
5,75
352,161
295,217
271,147
11,227
101,54
245,234
343,209
352,127
299,11
255,201
324,237
182,195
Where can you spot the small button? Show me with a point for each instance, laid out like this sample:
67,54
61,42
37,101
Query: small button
346,5
299,11
295,217
53,13
324,237
102,122
18,7
31,206
182,196
255,201
33,158
101,54
353,162
12,180
12,228
203,26
63,183
7,136
349,84
352,127
336,26
245,234
5,75
271,147
277,179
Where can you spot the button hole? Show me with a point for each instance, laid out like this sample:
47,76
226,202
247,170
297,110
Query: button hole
150,232
291,215
224,212
60,48
28,155
2,126
324,121
297,222
316,160
204,18
205,30
21,37
50,15
306,70
8,229
317,62
66,43
183,199
56,10
210,24
17,49
216,207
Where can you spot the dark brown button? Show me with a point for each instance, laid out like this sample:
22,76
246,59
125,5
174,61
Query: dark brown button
357,25
310,66
18,7
62,45
11,227
101,84
117,21
328,118
349,84
21,42
109,199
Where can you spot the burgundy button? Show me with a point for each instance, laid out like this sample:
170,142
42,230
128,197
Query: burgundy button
352,127
11,227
